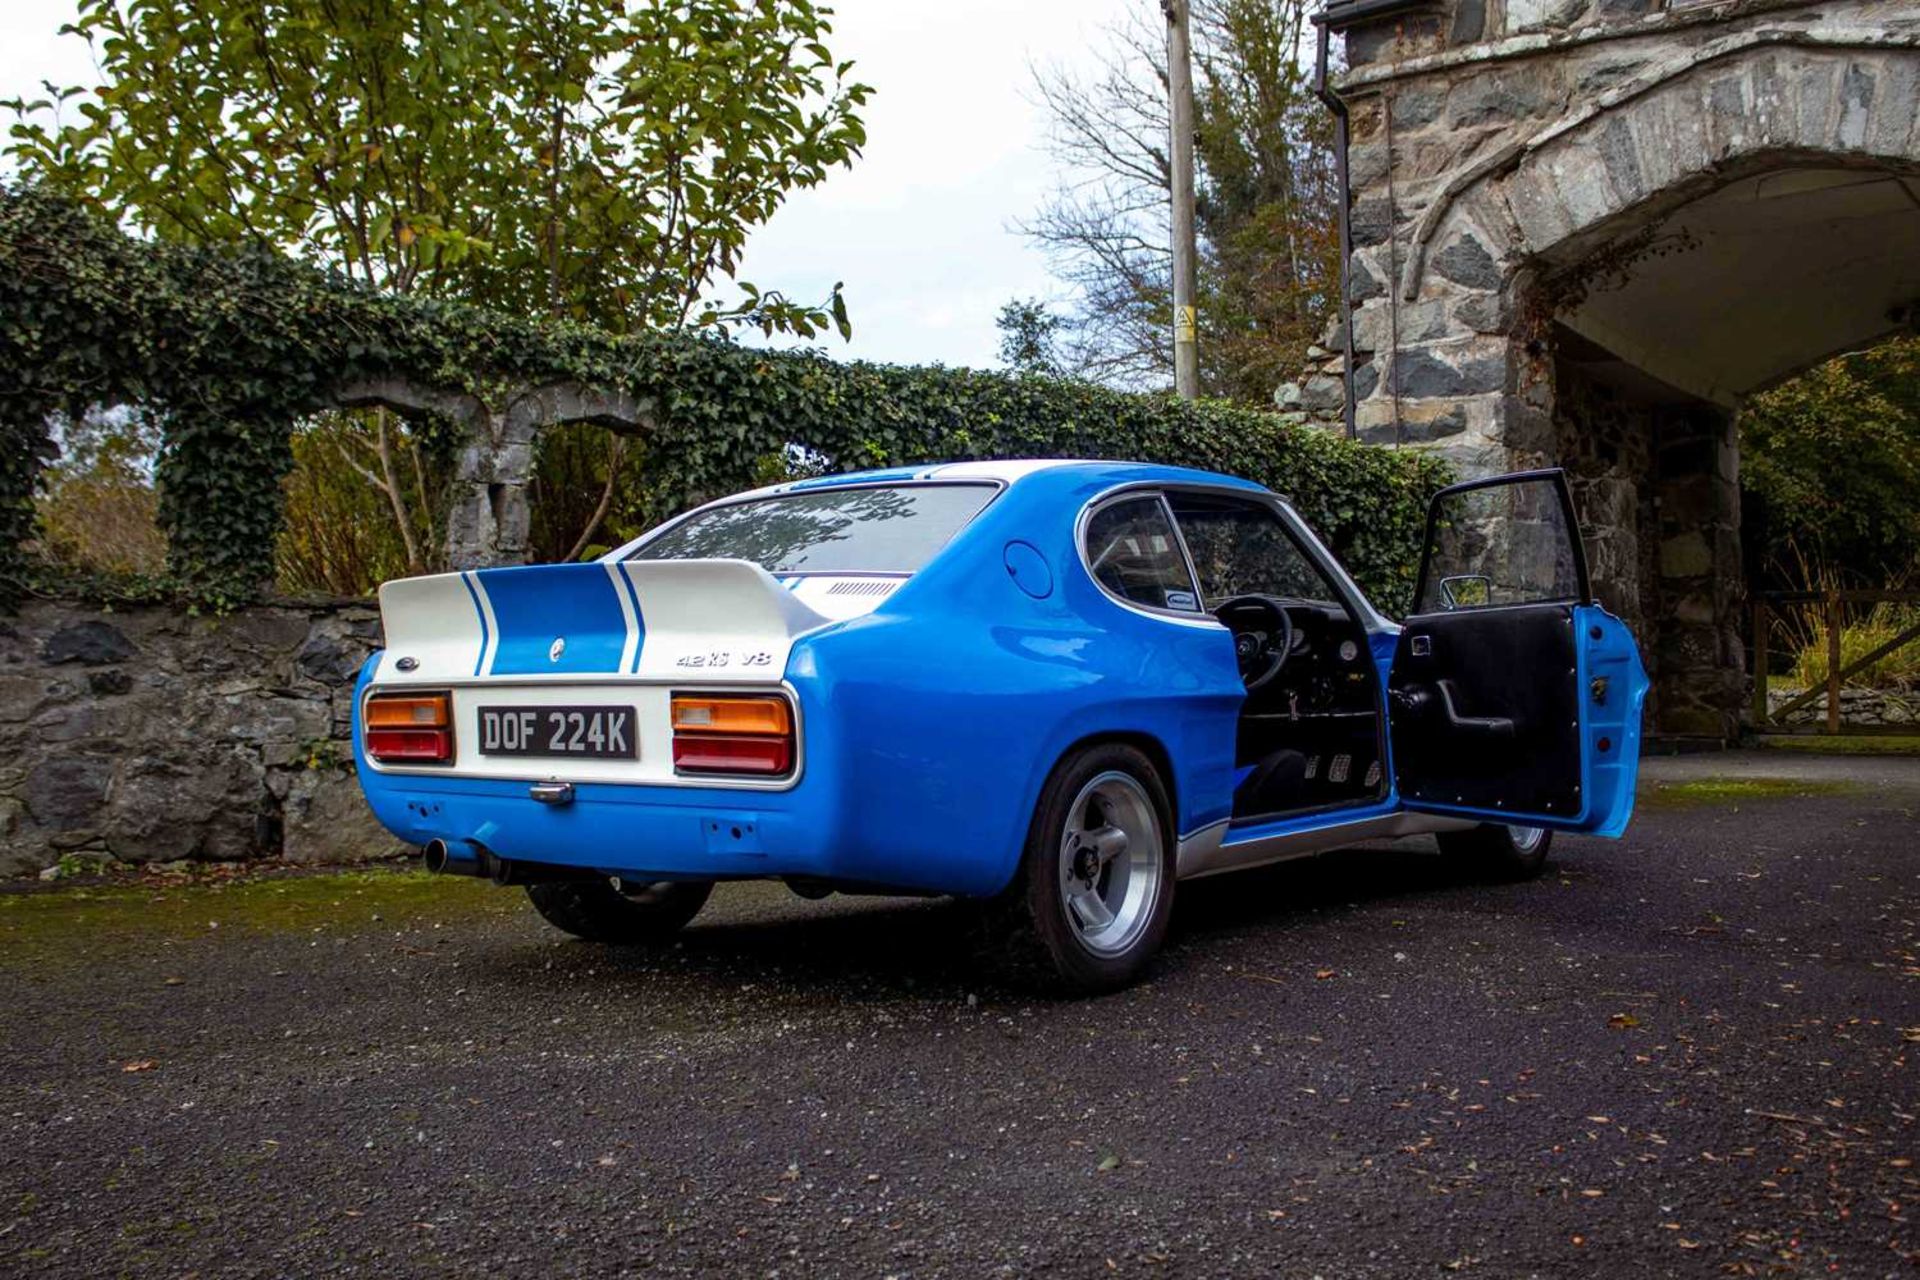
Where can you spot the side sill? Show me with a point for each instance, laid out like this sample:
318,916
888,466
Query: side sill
1209,852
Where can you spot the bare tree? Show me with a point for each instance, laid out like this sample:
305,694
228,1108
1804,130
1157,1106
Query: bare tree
1106,228
1267,200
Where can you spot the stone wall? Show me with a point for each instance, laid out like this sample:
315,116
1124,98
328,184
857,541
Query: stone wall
145,735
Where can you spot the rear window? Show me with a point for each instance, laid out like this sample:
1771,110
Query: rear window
878,529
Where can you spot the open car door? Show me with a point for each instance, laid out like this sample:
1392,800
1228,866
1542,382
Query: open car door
1513,696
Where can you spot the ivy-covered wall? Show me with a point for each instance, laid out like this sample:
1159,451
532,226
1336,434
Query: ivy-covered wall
231,347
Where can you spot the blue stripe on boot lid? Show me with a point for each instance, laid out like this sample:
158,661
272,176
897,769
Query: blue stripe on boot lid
535,605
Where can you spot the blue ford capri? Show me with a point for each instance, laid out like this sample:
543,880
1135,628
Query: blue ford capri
1060,686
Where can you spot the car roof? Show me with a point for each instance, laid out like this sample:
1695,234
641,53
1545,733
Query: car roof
1014,470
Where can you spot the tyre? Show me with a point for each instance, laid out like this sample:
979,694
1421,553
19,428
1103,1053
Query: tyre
596,911
1494,851
1089,906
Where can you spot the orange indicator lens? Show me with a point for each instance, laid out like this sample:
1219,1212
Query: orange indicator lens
696,714
408,712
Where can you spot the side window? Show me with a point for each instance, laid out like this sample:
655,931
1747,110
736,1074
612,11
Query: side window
1496,544
1242,548
1133,552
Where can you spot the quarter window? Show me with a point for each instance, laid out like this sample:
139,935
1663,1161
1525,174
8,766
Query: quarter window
1134,553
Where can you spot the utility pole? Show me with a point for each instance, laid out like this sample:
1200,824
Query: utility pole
1186,351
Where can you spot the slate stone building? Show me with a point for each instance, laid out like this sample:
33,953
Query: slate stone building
1583,230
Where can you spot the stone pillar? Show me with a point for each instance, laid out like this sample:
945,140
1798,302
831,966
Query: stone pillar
1604,438
490,519
1698,665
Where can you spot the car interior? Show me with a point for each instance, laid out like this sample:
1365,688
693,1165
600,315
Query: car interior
1310,732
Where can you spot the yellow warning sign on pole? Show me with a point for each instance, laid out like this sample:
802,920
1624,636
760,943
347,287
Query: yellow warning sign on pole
1186,327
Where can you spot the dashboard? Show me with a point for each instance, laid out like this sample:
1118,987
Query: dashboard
1327,669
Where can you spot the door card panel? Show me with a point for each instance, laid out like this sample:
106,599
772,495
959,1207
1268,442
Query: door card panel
1485,711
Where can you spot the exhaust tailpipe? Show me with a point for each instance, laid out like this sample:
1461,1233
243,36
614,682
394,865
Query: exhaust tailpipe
443,859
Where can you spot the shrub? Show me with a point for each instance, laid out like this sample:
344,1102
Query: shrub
340,536
1897,670
1830,462
103,521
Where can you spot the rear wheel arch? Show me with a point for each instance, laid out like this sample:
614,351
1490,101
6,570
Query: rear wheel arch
1047,763
1147,745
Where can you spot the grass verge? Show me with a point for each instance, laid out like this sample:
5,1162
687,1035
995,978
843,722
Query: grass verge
1862,744
84,924
1732,792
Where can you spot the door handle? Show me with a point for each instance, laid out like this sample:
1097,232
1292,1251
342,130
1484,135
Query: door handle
553,793
1494,726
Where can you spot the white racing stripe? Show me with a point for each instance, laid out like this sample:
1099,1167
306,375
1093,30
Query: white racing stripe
490,643
623,589
724,620
683,620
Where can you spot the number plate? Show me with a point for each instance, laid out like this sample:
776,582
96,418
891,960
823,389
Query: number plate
597,733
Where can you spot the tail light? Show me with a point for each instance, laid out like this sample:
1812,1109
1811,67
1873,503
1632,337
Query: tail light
732,736
410,728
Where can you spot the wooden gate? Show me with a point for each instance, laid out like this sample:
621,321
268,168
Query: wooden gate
1770,605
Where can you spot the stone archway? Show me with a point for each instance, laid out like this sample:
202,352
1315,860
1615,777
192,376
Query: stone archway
490,519
1587,244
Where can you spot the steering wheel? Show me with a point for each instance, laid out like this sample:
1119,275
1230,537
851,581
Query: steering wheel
1262,637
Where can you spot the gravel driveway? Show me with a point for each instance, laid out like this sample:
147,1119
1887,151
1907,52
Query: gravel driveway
1690,1053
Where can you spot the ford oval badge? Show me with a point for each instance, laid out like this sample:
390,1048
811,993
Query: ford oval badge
558,647
406,664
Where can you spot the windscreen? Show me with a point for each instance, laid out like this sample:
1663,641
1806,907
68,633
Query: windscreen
878,529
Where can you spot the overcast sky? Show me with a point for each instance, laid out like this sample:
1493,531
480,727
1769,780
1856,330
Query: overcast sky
921,228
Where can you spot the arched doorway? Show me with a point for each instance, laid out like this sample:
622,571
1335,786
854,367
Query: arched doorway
1661,331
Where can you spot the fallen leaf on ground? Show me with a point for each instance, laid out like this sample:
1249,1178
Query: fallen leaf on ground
1623,1020
141,1064
1324,974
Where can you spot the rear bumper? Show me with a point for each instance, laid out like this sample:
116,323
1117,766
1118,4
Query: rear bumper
660,833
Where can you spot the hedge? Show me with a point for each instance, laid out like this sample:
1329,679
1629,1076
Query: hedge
232,346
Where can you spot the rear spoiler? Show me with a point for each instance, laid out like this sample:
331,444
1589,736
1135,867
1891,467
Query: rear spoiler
710,620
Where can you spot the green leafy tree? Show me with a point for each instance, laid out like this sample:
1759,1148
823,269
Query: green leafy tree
600,160
1831,465
1029,335
590,158
1271,199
